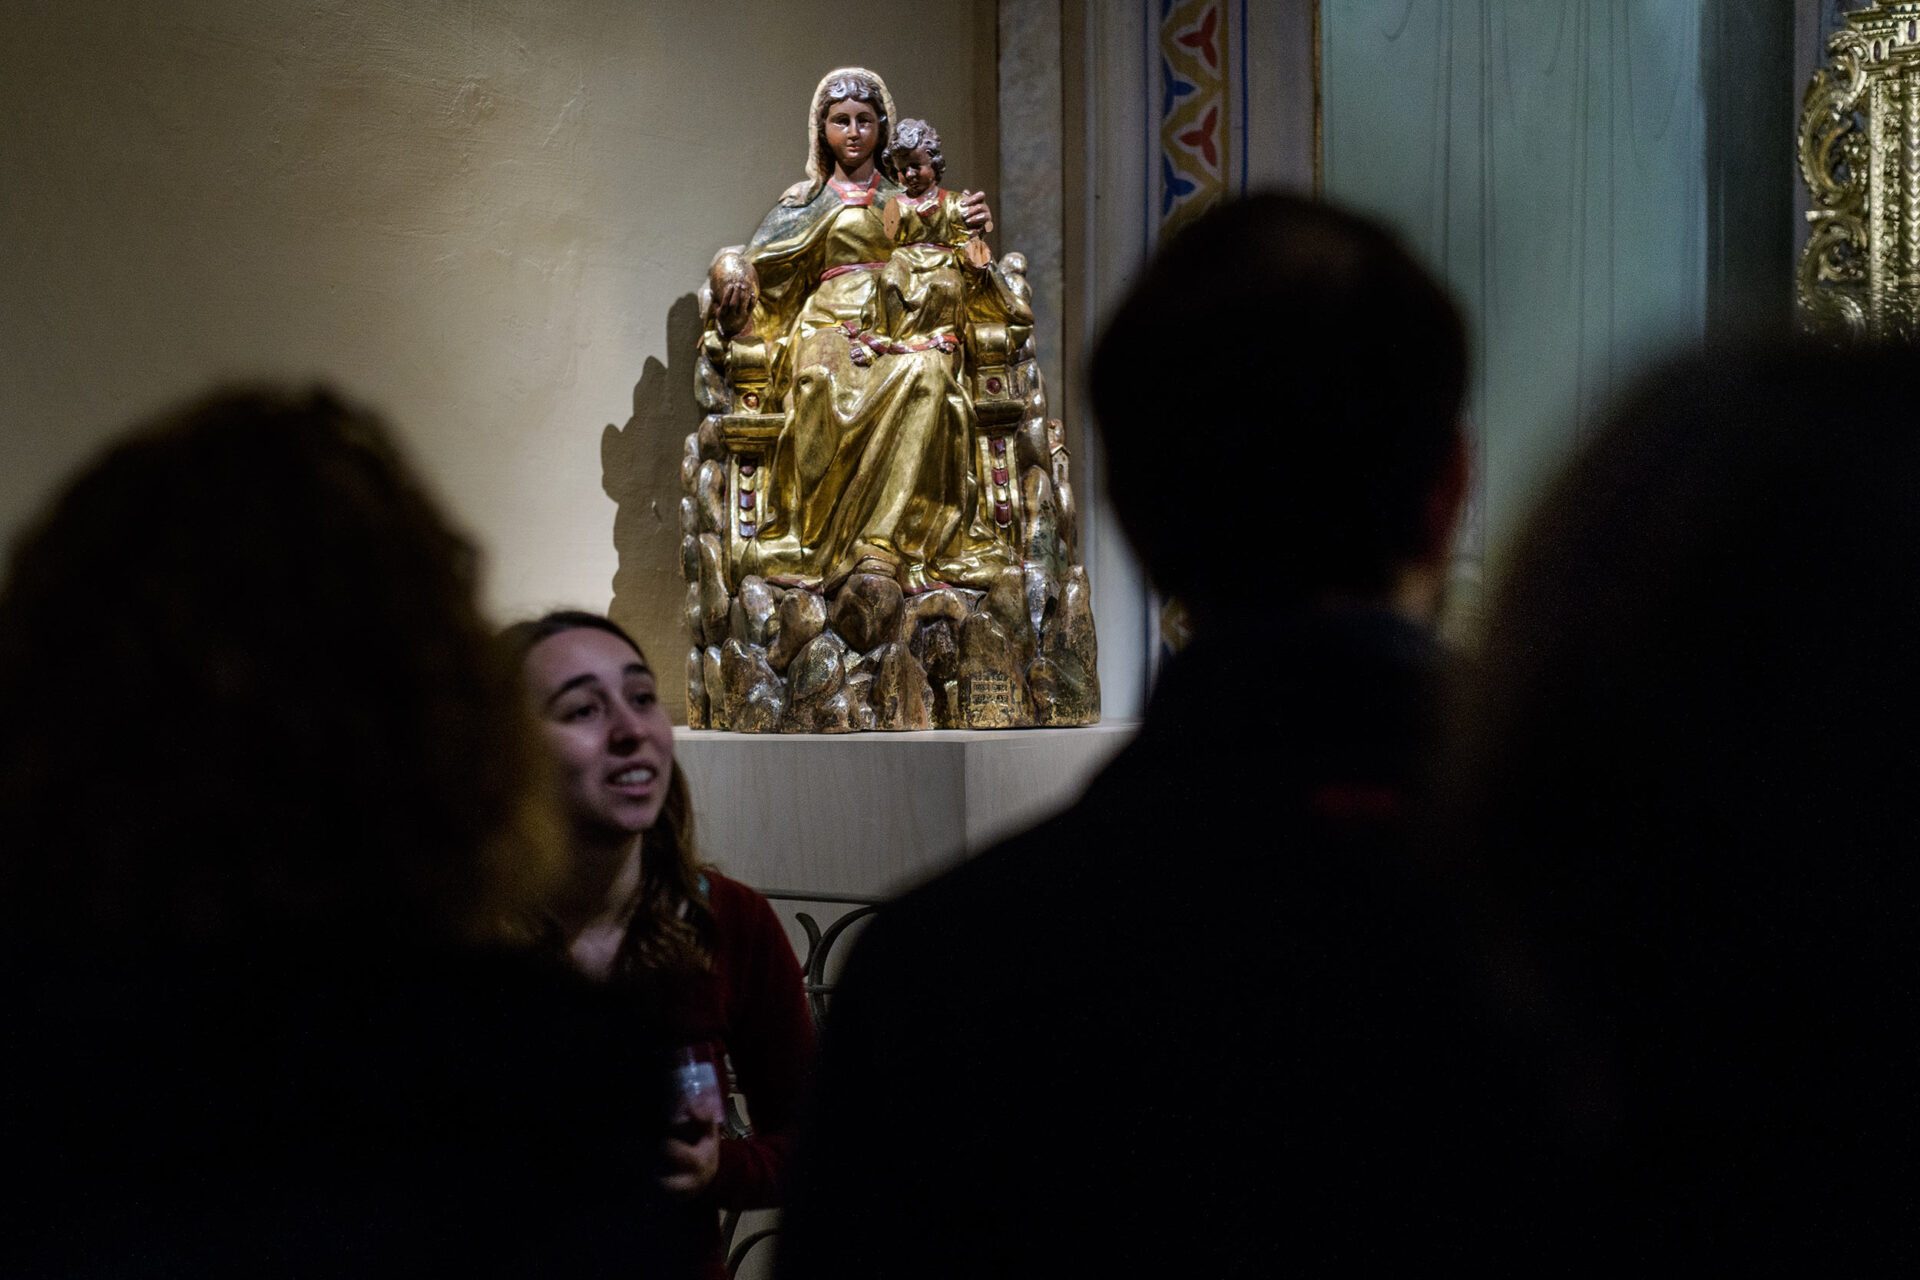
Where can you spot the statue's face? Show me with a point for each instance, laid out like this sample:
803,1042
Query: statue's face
852,129
916,172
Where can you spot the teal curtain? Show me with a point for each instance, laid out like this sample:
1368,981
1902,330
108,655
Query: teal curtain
1549,160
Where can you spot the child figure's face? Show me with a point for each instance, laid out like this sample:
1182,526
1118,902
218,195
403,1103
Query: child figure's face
916,172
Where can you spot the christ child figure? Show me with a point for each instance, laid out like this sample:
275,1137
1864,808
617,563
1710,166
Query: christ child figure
922,294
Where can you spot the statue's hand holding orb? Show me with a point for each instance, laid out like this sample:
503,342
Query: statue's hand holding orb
734,286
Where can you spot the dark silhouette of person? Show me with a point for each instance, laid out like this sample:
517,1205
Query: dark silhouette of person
1685,766
1215,1018
272,814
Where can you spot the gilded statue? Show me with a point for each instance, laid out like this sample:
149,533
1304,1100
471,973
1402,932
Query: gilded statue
878,529
1859,145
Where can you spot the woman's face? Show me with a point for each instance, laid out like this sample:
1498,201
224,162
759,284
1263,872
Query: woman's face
916,172
852,128
608,732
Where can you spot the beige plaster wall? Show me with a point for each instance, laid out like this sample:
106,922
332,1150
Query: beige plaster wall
485,218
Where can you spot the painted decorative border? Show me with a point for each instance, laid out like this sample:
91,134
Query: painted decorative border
1197,96
1196,89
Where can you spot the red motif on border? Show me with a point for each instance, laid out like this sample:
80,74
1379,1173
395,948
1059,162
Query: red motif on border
1191,85
1201,137
1202,39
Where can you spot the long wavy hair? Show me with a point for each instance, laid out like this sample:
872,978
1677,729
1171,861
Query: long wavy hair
246,697
670,924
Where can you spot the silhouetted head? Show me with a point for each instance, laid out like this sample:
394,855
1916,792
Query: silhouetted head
1690,767
245,694
1279,396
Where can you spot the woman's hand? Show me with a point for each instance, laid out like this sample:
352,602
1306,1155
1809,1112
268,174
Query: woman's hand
974,211
692,1149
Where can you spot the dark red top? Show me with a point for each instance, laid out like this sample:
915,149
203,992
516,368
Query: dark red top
750,1011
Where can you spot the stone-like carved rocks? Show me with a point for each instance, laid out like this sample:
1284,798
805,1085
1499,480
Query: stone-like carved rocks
696,690
710,494
900,697
866,611
872,657
710,676
753,696
716,605
803,615
833,715
988,683
1071,657
1007,604
1043,688
696,628
937,648
752,616
816,679
1064,505
1041,530
818,671
946,604
859,695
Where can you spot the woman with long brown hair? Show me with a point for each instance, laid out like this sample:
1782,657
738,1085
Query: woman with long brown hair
703,953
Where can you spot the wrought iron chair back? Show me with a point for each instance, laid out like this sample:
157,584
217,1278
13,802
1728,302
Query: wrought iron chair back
814,967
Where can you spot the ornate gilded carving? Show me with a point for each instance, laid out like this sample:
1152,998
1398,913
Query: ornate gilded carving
879,524
1859,275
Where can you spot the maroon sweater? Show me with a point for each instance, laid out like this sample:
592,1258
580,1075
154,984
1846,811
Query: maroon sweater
750,1009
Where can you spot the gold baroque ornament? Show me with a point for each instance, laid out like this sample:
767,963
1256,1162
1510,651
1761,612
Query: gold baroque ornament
878,527
1859,275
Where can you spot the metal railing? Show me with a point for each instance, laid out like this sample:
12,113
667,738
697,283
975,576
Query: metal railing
821,942
814,960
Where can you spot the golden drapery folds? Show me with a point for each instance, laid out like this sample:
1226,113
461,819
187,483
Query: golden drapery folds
877,459
873,461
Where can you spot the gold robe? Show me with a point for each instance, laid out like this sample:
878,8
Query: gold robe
923,288
874,461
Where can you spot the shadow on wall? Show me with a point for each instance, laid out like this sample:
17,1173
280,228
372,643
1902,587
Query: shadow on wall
640,470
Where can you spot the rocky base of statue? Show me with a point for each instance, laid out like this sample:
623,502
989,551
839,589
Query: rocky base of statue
769,659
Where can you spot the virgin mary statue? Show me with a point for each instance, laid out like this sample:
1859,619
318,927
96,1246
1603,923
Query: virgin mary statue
878,527
873,469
